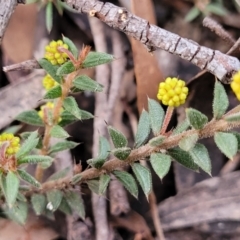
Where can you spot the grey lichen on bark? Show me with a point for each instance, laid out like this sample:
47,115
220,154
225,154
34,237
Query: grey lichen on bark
219,64
6,10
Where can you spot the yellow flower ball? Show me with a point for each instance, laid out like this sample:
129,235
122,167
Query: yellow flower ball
14,143
49,106
48,82
52,53
235,84
172,92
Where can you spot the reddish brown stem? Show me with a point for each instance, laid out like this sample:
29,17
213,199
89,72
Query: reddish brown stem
167,119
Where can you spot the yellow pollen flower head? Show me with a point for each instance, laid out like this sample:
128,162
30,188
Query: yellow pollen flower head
14,143
48,106
52,53
48,82
172,92
235,84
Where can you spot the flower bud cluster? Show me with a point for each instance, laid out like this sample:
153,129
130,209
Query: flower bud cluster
235,84
53,54
172,92
14,143
48,82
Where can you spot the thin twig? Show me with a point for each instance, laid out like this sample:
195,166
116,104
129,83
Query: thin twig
219,64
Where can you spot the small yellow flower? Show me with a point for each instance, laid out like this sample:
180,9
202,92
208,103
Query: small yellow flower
235,84
52,53
14,143
172,92
49,106
49,82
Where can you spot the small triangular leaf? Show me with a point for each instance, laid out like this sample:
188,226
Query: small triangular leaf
58,132
85,83
39,203
144,177
188,142
122,153
227,143
103,148
161,164
72,47
156,141
54,198
196,119
65,207
10,185
118,139
34,159
93,185
103,183
49,16
220,100
75,201
127,181
65,69
53,93
61,146
143,129
183,157
28,178
181,127
201,157
94,59
235,117
192,14
156,115
30,117
71,106
60,174
28,145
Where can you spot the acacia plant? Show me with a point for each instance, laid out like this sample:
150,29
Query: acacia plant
62,63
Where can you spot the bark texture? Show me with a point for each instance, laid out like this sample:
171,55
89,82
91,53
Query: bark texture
219,64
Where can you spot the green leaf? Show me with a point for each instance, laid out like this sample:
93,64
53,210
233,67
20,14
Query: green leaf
39,203
103,148
156,141
94,59
71,106
182,157
18,212
28,178
156,115
58,132
201,157
237,135
122,153
118,139
54,198
59,7
93,186
192,14
50,69
25,136
28,145
30,117
53,93
61,146
10,185
127,181
216,8
68,118
103,183
188,142
72,47
21,197
49,16
220,100
227,143
196,119
181,127
235,117
96,162
85,83
60,174
143,129
75,201
13,129
34,159
144,177
76,178
65,207
161,164
65,69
